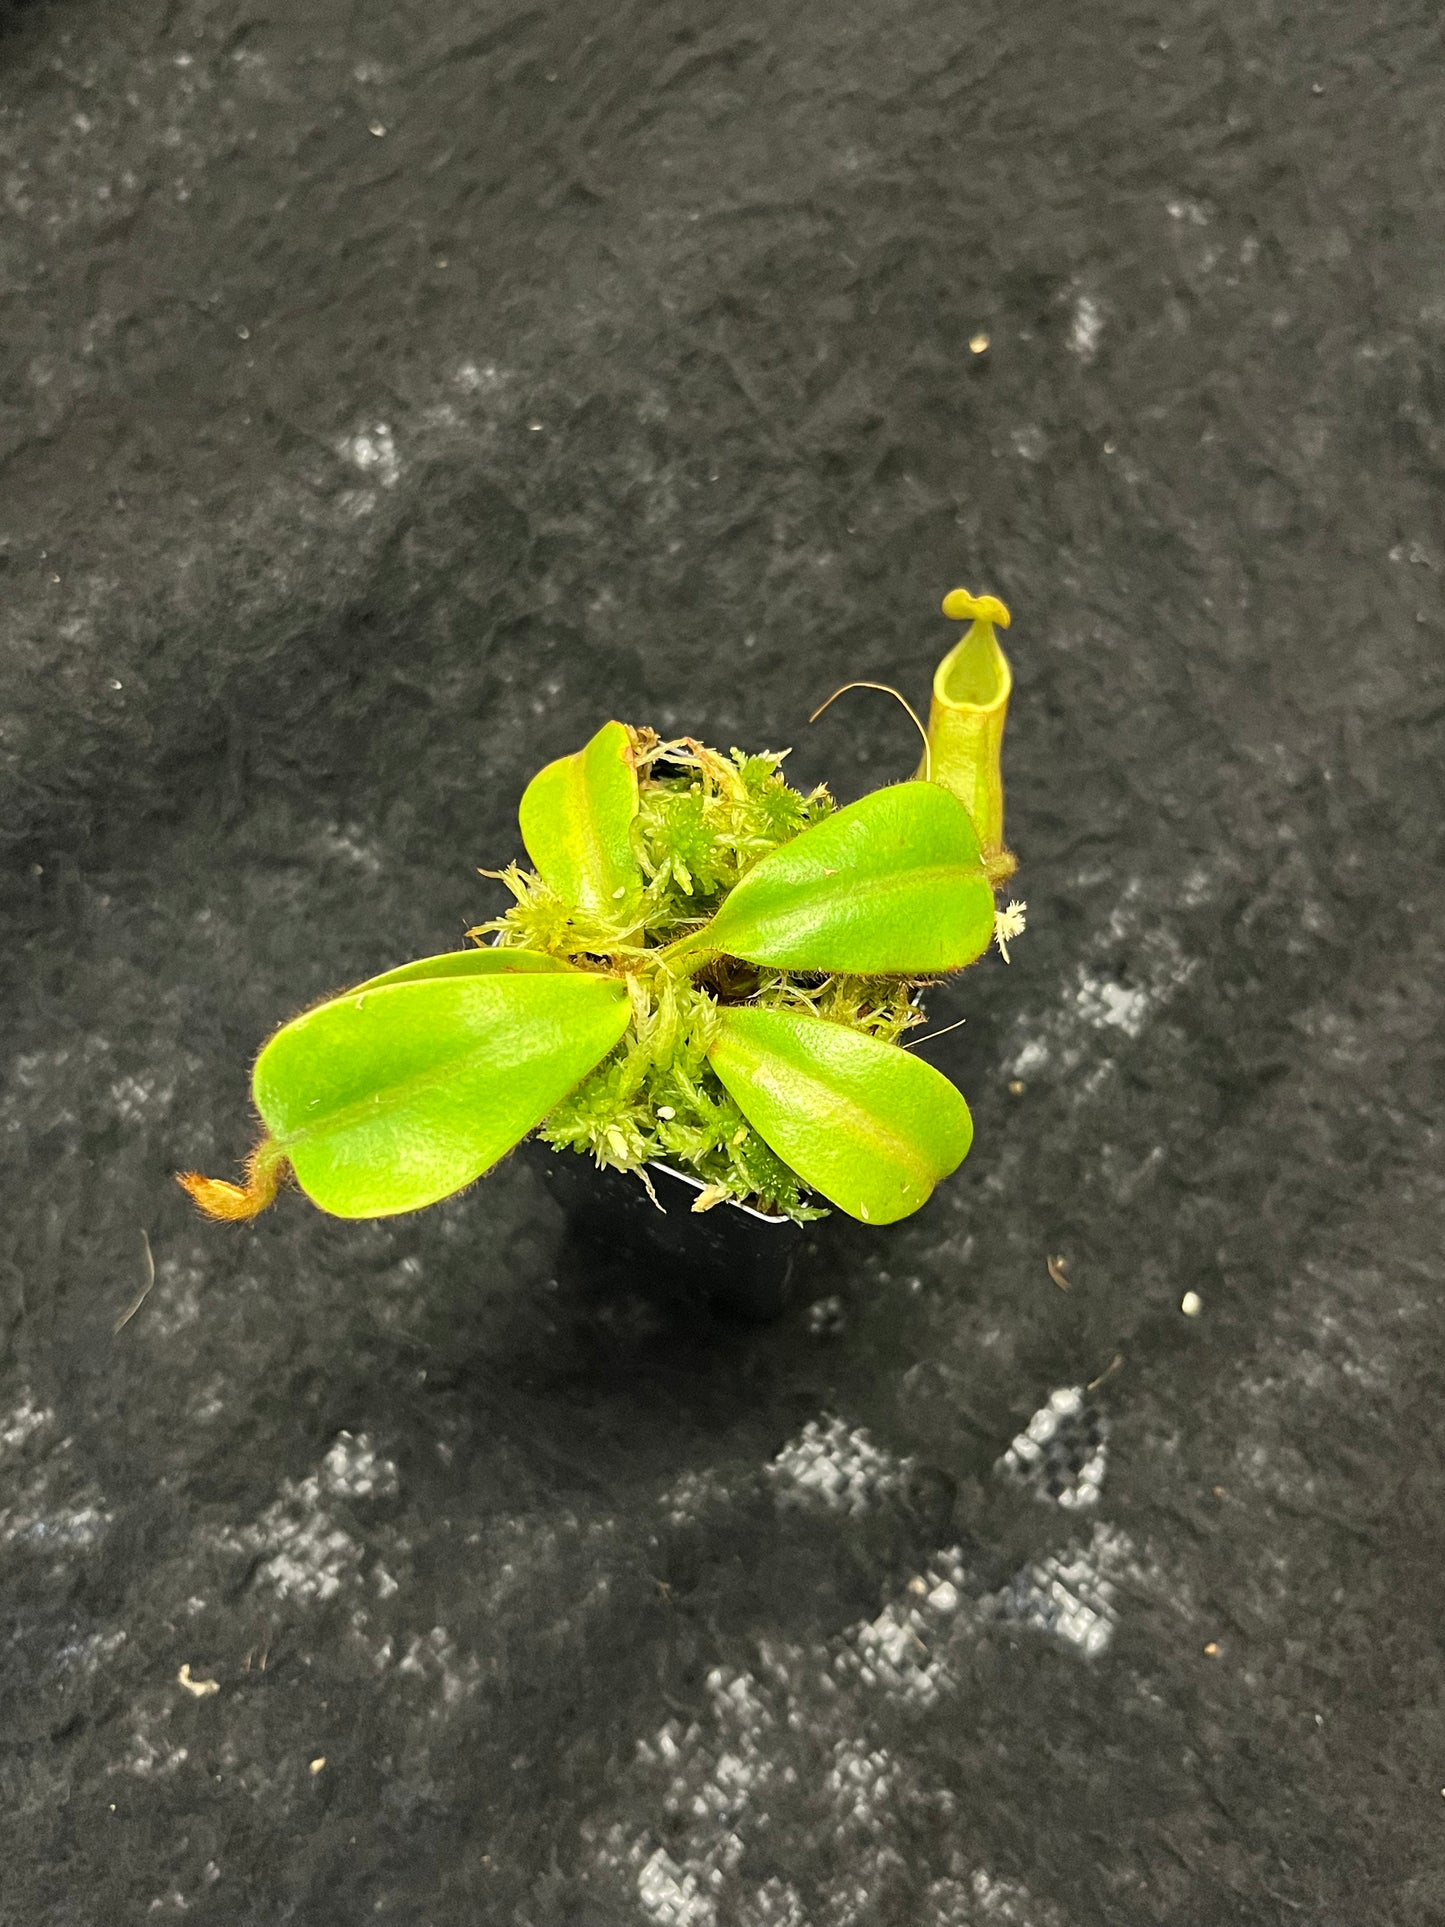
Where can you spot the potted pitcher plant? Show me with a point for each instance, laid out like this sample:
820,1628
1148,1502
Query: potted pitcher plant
704,972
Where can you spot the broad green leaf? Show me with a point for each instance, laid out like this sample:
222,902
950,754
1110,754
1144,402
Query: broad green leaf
867,1124
486,962
576,817
390,1098
891,885
971,689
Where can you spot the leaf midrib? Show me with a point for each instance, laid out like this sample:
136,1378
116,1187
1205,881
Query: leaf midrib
877,884
879,1134
364,1109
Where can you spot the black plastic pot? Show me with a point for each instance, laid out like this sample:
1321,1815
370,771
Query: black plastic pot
739,1259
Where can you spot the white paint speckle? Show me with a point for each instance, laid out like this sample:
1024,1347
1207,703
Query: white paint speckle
802,1724
692,1494
352,1469
1095,1000
982,1901
1086,328
839,1469
151,1758
478,378
308,1556
1062,1454
433,1656
73,1528
1030,442
347,842
895,1652
826,1317
87,1655
1070,1595
671,1897
373,450
1106,1004
138,1098
24,1422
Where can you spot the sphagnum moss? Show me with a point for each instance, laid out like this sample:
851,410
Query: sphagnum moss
703,820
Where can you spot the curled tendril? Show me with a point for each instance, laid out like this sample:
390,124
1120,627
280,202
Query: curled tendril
886,689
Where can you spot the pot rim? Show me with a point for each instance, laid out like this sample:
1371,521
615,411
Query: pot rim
685,1177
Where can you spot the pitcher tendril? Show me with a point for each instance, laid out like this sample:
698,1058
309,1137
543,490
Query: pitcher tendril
235,1202
887,689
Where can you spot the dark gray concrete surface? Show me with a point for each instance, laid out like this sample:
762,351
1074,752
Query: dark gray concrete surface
390,393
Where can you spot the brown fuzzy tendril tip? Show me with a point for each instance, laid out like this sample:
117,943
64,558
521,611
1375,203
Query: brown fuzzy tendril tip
235,1202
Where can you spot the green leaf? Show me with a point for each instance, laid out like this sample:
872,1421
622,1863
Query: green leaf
576,817
390,1098
867,1124
891,885
486,962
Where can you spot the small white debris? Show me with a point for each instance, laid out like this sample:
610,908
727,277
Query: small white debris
1191,1304
198,1688
1008,923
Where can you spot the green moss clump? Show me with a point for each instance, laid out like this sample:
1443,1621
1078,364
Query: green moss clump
703,820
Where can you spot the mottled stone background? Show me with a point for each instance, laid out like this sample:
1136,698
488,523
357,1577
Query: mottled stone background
388,394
